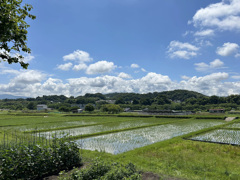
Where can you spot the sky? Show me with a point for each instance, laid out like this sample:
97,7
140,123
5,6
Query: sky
141,46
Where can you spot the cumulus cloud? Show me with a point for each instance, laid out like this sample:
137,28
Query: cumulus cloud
80,67
224,15
181,50
212,84
100,67
124,75
134,66
143,70
207,32
64,67
78,56
228,49
28,77
185,77
27,57
32,83
216,64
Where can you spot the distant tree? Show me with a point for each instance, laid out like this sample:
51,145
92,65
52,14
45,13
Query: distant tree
135,101
13,31
111,108
64,108
89,108
120,101
214,100
81,100
31,106
145,101
100,103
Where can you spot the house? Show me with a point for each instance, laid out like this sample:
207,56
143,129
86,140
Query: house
42,107
77,111
216,110
107,101
127,110
81,106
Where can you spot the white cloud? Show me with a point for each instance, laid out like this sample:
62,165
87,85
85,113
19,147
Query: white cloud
31,83
100,67
185,77
207,32
80,67
212,84
134,66
183,54
28,77
143,70
124,75
78,56
228,49
216,64
9,71
64,67
181,50
223,15
179,45
28,58
236,77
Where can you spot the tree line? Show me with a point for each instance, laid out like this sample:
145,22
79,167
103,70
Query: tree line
167,100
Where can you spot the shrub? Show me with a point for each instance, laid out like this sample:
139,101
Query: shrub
34,161
103,171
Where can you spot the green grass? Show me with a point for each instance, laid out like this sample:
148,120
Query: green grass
176,157
181,158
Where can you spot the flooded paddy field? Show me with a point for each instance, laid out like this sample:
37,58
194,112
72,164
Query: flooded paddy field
128,140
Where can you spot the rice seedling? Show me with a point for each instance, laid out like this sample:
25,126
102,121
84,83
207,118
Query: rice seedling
235,125
220,136
128,140
100,128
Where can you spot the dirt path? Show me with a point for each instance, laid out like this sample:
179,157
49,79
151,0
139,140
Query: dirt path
229,118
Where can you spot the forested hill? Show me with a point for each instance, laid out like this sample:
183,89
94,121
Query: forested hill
176,95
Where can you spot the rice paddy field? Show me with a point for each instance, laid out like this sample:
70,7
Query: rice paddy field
184,148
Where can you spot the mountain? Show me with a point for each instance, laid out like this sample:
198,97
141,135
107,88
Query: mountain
175,95
8,96
181,95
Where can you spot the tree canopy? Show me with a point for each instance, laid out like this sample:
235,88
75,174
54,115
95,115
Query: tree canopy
13,31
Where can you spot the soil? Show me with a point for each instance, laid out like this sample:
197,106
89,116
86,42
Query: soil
230,119
150,176
145,176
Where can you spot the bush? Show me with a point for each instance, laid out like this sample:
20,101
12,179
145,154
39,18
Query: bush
100,170
111,108
34,161
89,108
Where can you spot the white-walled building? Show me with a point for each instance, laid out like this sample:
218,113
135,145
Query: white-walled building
41,107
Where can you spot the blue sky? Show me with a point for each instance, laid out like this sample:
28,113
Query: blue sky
90,46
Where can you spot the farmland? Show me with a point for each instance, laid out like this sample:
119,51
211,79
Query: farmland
170,147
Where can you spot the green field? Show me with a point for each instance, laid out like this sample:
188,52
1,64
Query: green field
160,145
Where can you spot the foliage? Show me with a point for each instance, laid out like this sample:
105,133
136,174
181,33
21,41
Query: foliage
31,106
105,171
89,107
35,160
111,108
169,100
13,31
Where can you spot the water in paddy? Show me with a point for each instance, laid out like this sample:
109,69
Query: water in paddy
128,140
220,136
